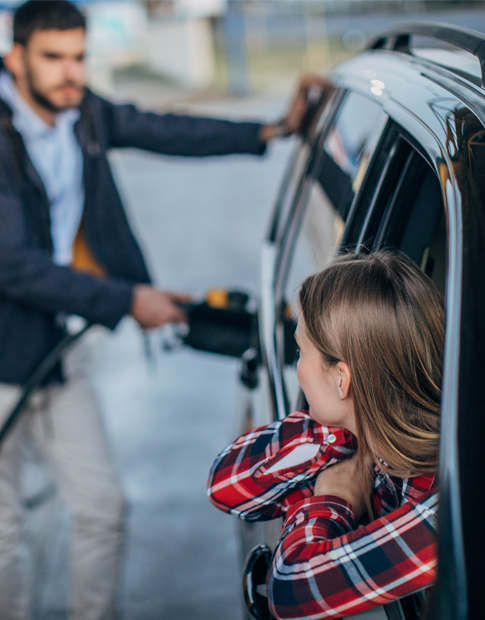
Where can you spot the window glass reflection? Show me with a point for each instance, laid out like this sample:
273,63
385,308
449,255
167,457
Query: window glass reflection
315,247
338,174
348,149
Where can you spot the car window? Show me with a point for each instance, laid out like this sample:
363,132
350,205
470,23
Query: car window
414,218
293,181
316,244
348,149
314,228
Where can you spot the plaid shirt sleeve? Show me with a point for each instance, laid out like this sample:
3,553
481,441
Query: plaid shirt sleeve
263,472
324,567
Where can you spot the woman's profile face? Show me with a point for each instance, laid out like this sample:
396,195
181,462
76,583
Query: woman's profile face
320,382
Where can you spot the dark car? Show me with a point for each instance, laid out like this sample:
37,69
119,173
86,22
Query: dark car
395,158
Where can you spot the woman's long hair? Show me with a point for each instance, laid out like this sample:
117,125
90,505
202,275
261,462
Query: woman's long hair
380,314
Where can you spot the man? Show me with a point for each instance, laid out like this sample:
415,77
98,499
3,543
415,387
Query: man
66,248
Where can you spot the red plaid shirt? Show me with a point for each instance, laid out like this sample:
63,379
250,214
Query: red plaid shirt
324,566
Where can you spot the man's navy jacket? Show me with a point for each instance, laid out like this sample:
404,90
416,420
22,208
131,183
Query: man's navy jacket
33,290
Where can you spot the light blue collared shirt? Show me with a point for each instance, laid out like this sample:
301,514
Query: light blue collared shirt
57,157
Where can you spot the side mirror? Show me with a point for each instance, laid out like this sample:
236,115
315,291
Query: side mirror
254,582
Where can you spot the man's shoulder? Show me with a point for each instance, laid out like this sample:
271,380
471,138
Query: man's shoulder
95,101
104,110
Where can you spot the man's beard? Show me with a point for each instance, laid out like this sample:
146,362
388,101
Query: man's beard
43,101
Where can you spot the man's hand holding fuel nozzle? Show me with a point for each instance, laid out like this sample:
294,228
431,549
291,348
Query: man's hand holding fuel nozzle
152,307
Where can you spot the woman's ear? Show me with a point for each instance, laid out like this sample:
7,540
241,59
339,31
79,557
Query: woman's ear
343,379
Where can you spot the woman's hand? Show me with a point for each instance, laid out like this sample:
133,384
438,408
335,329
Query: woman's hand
345,480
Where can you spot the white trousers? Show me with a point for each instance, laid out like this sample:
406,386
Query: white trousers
65,424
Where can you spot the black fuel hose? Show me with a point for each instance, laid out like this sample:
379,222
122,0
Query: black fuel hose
37,377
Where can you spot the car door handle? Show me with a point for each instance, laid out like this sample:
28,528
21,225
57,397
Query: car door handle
254,579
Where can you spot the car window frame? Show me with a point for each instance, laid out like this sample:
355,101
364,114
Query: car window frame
305,149
277,259
267,310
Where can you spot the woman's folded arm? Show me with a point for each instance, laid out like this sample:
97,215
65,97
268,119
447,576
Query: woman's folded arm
325,568
267,469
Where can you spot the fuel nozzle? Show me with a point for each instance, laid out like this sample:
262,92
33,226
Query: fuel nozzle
223,322
222,298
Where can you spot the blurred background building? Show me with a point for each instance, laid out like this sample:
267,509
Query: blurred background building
240,45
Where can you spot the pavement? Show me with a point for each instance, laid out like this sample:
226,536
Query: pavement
201,223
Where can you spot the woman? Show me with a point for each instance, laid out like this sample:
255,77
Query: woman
360,524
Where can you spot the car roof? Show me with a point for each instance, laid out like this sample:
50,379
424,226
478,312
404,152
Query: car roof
414,77
403,38
459,61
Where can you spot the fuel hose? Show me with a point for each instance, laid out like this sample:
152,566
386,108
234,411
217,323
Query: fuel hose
37,377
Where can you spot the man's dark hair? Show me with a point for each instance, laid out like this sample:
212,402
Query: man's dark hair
45,15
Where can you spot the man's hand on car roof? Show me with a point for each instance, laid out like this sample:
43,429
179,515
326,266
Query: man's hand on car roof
310,88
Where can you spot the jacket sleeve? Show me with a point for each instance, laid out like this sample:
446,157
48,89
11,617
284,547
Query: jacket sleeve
174,134
29,275
323,567
263,472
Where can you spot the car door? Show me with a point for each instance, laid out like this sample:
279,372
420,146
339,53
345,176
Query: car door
442,228
407,198
306,237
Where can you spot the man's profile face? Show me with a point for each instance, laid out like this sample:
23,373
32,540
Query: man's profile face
52,67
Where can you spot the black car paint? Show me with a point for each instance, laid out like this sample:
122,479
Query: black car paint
439,106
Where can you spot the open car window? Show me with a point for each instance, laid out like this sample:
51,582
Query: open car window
348,149
314,226
297,170
407,214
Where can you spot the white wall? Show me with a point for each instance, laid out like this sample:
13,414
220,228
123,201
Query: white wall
200,8
182,49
